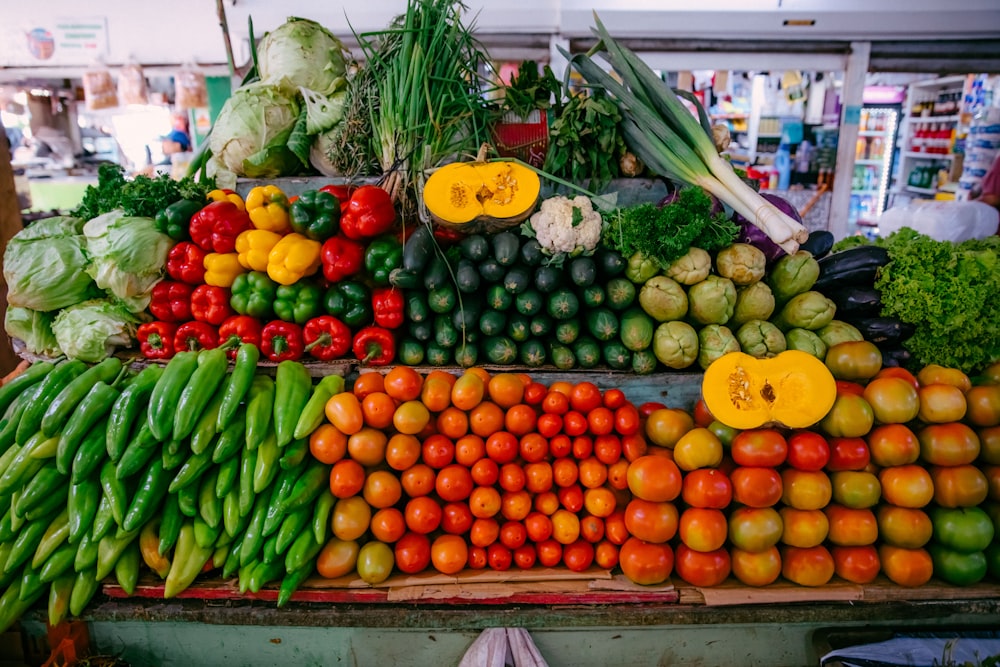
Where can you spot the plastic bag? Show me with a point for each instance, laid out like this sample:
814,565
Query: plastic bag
99,90
915,652
190,91
503,647
954,221
132,85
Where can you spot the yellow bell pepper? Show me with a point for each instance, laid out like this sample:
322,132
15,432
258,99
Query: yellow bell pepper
293,258
227,195
268,208
221,269
253,247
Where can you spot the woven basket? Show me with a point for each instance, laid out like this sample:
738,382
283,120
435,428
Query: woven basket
526,139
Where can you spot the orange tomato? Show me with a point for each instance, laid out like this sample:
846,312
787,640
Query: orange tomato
485,472
538,477
893,400
403,383
512,477
565,472
634,446
484,501
525,556
402,451
337,558
893,445
593,473
627,419
859,565
813,566
803,528
485,419
538,526
906,567
614,527
555,403
469,449
707,487
453,483
347,478
413,553
533,447
481,373
600,502
606,555
644,562
906,486
502,447
468,391
343,410
388,525
665,426
948,444
418,480
851,527
377,408
477,558
449,554
756,568
513,534
368,382
515,505
565,526
941,403
703,529
935,374
520,419
367,446
382,489
563,387
600,421
547,502
534,392
585,397
452,422
756,487
351,518
700,568
549,553
411,417
583,447
618,475
651,521
983,404
959,485
608,448
484,532
327,444
591,528
904,527
561,445
549,425
578,556
505,389
436,393
423,515
574,423
456,518
438,451
805,490
654,478
700,448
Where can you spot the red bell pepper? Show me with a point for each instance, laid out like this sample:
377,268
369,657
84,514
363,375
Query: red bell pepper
326,337
388,306
171,301
186,263
280,341
196,336
211,304
215,227
341,192
239,329
341,258
369,212
375,346
156,339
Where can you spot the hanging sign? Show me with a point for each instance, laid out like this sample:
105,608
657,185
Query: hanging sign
61,41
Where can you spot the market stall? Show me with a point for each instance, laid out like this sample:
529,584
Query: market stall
436,389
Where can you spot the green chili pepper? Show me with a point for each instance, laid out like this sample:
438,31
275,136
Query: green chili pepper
59,562
238,384
62,406
205,535
308,486
229,474
82,503
267,463
42,394
294,523
187,500
291,582
110,549
293,386
59,593
260,408
248,464
140,450
12,607
19,384
167,392
209,506
303,550
91,453
22,465
128,407
24,546
231,511
174,454
86,553
199,390
253,536
94,406
47,482
127,568
104,520
148,496
190,471
232,563
50,506
12,419
171,520
205,430
189,559
52,539
31,585
294,454
115,491
314,412
232,440
321,515
264,574
84,588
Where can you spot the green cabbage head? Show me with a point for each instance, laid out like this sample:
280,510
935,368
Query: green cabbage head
45,265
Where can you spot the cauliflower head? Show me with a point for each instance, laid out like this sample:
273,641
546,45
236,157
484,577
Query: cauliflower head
564,225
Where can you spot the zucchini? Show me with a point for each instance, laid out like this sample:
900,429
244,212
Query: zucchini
620,293
540,325
437,355
418,248
498,298
466,276
563,304
819,243
466,316
568,331
422,331
405,279
637,329
438,273
562,357
466,354
533,353
856,301
445,333
506,248
410,352
617,356
594,296
517,280
855,266
518,327
474,247
529,302
643,362
492,323
491,270
531,253
610,262
547,279
417,309
587,352
583,271
602,324
500,350
885,332
442,299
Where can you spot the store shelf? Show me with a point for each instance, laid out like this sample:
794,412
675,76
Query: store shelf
875,161
929,156
921,191
872,133
924,120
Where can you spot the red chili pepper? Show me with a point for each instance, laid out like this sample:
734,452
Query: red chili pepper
215,227
280,340
196,336
374,346
211,304
326,337
171,301
239,329
388,306
341,258
156,339
369,213
341,192
447,235
186,263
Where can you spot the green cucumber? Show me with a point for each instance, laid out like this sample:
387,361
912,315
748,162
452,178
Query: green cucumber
500,350
547,278
562,357
517,279
531,252
533,353
617,356
582,271
593,296
602,324
568,331
410,352
474,247
620,293
563,304
587,352
518,327
498,298
529,302
492,322
506,248
466,276
442,299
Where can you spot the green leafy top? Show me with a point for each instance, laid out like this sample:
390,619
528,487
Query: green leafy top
665,233
528,91
141,196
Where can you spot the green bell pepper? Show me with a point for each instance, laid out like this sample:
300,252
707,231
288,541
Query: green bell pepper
253,294
350,302
315,214
382,256
297,303
175,219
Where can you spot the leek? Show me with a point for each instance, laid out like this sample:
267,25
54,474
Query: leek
661,131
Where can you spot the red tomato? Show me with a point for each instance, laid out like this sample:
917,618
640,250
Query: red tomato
756,568
948,444
851,527
702,568
627,419
959,486
614,399
807,451
703,529
859,565
754,529
413,553
906,567
650,407
456,518
893,400
477,558
654,478
906,486
898,372
807,567
525,556
903,526
579,555
549,553
707,487
983,405
803,528
702,416
756,487
499,557
853,388
646,563
763,447
893,445
805,489
651,521
848,454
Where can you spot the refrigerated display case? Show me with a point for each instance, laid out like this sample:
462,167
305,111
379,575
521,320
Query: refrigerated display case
874,156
